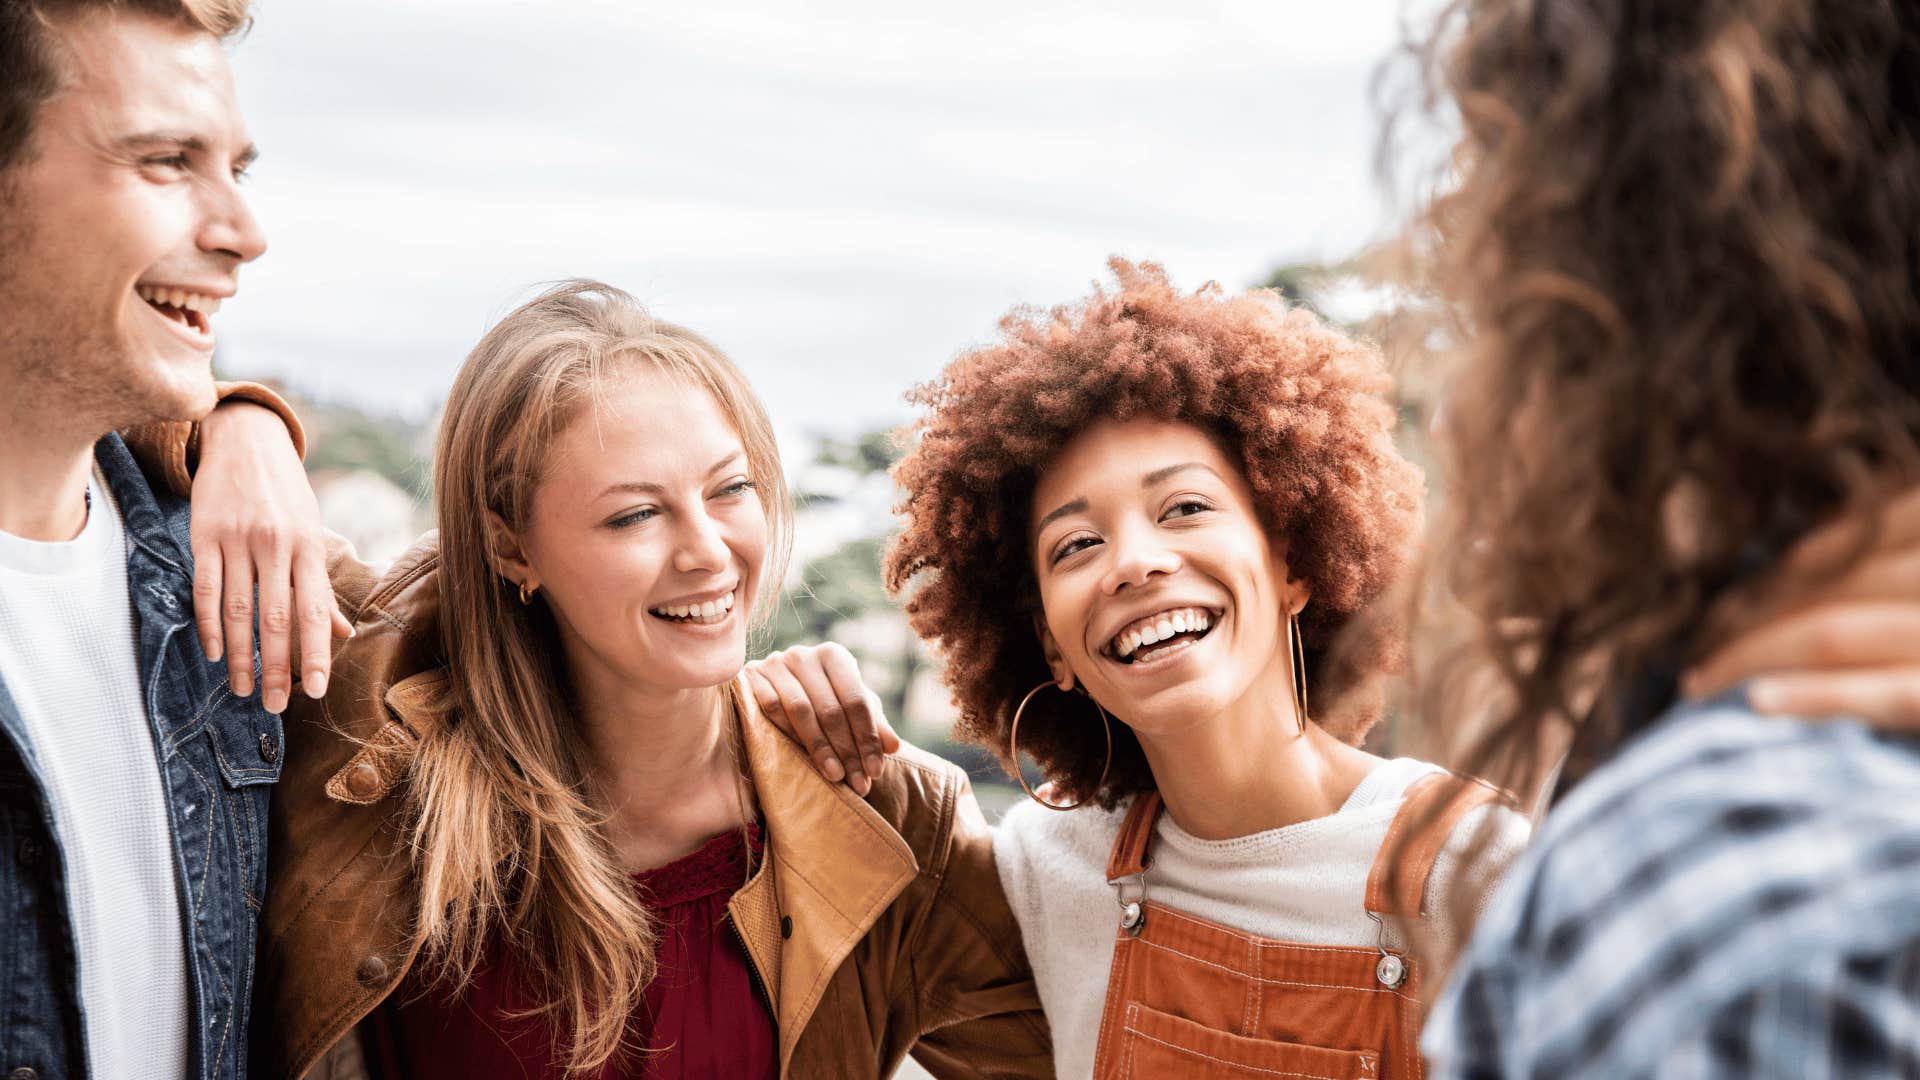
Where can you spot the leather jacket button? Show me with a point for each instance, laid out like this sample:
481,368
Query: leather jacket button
371,972
786,926
363,780
23,1073
269,747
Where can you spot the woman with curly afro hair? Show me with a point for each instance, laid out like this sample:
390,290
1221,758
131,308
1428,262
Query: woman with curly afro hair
1135,527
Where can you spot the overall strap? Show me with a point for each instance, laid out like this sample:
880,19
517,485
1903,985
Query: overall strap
1434,806
1129,857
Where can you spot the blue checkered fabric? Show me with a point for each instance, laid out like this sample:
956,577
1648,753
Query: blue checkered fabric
1731,896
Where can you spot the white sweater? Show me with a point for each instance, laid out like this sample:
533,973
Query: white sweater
1304,883
69,659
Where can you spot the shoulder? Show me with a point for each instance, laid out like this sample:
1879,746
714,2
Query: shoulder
929,801
1035,846
1716,854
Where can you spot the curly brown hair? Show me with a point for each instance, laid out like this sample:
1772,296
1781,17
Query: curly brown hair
1300,405
1684,243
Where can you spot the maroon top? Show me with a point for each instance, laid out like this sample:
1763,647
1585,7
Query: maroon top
705,1015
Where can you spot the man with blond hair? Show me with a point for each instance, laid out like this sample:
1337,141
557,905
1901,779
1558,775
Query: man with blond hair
133,771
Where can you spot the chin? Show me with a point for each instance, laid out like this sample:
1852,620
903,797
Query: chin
180,389
1173,709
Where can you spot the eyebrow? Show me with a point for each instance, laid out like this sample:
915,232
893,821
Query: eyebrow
246,157
648,487
1156,476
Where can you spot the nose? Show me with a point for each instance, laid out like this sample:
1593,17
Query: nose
231,229
1136,556
701,547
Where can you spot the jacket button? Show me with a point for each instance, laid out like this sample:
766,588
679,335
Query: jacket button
23,1073
371,972
269,747
786,926
363,781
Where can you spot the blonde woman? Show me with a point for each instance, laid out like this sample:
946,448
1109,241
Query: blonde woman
536,827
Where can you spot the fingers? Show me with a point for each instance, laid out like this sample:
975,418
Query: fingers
236,614
800,721
829,714
275,591
1885,697
858,705
313,599
1837,636
206,598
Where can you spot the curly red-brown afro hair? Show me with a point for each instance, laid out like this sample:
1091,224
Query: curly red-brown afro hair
1301,406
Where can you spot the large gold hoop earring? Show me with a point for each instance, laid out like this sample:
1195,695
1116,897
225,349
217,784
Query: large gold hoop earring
1013,749
1299,650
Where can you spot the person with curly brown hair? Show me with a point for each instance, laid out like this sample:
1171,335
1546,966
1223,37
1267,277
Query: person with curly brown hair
1682,237
1135,528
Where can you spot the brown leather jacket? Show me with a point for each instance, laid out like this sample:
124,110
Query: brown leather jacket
877,926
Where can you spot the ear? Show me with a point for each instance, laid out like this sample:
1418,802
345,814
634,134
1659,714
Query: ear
508,555
1299,591
1056,663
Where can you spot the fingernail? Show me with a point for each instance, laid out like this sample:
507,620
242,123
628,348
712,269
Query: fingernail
212,649
275,700
243,686
862,785
1763,695
833,771
874,764
317,685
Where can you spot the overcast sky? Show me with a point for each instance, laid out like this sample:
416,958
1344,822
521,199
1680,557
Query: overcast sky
841,195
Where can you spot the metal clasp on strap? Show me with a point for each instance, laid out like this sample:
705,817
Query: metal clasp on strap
1131,892
1391,971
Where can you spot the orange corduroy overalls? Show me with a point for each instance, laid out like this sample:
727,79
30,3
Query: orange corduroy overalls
1191,998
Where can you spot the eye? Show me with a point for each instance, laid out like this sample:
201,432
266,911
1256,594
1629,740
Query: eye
737,488
633,517
167,161
1186,506
1073,545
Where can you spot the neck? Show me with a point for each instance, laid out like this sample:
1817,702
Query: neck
665,762
651,749
43,486
1250,768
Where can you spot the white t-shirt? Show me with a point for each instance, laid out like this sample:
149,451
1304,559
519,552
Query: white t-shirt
70,661
1305,882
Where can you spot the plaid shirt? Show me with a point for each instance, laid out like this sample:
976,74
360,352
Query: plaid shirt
1731,896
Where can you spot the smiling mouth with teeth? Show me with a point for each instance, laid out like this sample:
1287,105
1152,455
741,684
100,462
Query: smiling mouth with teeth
190,309
1158,635
699,614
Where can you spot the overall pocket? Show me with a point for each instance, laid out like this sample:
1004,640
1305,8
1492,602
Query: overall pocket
1157,1044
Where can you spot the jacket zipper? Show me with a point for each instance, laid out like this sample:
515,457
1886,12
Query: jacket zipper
753,974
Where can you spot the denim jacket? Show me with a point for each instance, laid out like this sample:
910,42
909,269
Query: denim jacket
219,755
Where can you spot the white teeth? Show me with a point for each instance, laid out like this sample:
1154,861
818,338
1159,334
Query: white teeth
707,612
1157,628
180,298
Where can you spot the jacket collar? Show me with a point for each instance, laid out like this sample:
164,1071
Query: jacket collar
832,863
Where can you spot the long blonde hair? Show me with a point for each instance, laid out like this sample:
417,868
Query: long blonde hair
506,828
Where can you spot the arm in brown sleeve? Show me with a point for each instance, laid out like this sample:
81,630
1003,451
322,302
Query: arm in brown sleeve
979,1011
169,450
